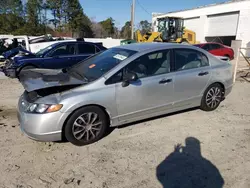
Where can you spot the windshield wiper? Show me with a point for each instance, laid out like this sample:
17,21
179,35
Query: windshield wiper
66,70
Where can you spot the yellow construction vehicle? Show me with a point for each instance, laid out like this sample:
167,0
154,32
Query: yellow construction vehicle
170,29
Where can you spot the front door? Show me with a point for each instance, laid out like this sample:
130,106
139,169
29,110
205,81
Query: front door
152,93
191,78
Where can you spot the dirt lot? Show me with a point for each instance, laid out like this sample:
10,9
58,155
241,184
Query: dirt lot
140,155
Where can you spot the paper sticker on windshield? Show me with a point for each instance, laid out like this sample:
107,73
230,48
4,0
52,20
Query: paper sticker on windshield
120,57
91,66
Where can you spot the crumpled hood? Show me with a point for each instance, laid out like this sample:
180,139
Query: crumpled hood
15,51
35,79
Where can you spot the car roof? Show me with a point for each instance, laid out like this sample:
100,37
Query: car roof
139,47
209,43
78,42
74,41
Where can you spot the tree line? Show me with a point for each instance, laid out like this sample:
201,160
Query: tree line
38,17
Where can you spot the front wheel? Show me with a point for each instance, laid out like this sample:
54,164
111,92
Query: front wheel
25,68
212,97
86,125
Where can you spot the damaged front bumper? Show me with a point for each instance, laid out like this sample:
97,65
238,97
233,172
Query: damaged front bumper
40,127
8,69
10,72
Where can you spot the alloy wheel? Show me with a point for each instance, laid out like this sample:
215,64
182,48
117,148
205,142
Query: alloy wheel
87,126
213,97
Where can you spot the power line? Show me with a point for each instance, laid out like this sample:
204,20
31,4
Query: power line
138,2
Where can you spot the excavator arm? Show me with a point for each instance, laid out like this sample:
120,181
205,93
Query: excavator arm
148,37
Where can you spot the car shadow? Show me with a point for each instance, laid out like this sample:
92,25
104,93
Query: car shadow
185,167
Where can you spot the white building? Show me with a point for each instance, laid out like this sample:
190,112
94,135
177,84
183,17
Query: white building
216,22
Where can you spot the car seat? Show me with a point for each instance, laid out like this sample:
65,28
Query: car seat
192,61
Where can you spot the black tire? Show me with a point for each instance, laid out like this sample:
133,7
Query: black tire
212,97
77,126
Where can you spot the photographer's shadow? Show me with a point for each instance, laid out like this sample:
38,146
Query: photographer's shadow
186,168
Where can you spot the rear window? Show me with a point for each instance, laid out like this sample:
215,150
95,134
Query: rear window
85,48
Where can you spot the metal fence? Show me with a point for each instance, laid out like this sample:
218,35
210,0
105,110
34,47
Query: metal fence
247,60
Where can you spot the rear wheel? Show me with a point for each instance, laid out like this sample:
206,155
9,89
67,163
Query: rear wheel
86,125
212,97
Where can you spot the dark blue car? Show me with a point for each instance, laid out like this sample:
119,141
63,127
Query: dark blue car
56,56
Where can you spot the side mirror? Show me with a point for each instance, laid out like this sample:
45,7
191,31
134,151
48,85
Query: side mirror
129,77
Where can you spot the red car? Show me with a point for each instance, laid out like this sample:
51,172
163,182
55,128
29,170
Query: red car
217,49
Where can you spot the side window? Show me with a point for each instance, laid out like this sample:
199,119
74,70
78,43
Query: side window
97,49
206,47
68,49
215,46
189,59
86,49
150,64
115,78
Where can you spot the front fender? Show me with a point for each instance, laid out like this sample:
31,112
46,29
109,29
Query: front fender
103,97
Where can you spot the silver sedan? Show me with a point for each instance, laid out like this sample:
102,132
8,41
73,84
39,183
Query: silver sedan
120,85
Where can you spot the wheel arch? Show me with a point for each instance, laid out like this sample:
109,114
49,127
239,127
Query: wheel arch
108,116
25,65
221,84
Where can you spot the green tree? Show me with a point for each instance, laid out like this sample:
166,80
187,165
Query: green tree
34,26
126,30
97,29
144,26
11,12
59,11
11,6
78,22
109,26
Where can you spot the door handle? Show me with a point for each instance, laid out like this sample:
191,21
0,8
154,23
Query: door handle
164,81
203,73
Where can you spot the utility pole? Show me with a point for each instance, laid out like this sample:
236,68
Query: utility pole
132,19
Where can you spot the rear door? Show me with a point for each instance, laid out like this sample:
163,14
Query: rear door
85,50
191,78
61,56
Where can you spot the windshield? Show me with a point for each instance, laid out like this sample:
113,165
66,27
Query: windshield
96,66
41,52
162,25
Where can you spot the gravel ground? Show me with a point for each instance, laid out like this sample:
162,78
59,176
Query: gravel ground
215,150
